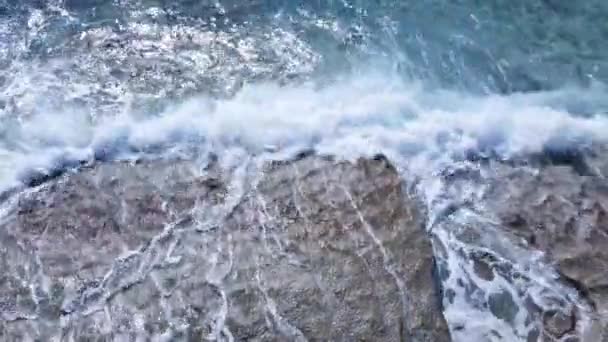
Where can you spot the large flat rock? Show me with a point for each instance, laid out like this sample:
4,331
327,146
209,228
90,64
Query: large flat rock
312,249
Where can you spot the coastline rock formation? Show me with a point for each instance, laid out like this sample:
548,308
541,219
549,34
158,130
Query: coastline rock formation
530,246
308,249
562,210
313,249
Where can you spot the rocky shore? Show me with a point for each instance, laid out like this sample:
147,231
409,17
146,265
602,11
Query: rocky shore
313,249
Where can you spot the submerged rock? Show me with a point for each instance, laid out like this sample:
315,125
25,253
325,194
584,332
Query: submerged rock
307,250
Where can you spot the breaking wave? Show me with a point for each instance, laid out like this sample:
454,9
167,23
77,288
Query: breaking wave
357,115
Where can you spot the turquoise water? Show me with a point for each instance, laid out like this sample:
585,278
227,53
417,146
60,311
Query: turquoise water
498,47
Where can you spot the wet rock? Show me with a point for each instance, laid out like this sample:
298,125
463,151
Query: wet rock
483,270
558,323
312,249
562,212
502,306
533,336
534,226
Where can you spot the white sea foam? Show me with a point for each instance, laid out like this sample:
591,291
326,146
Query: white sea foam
353,116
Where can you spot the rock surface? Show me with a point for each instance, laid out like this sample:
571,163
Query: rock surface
314,250
561,209
520,243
